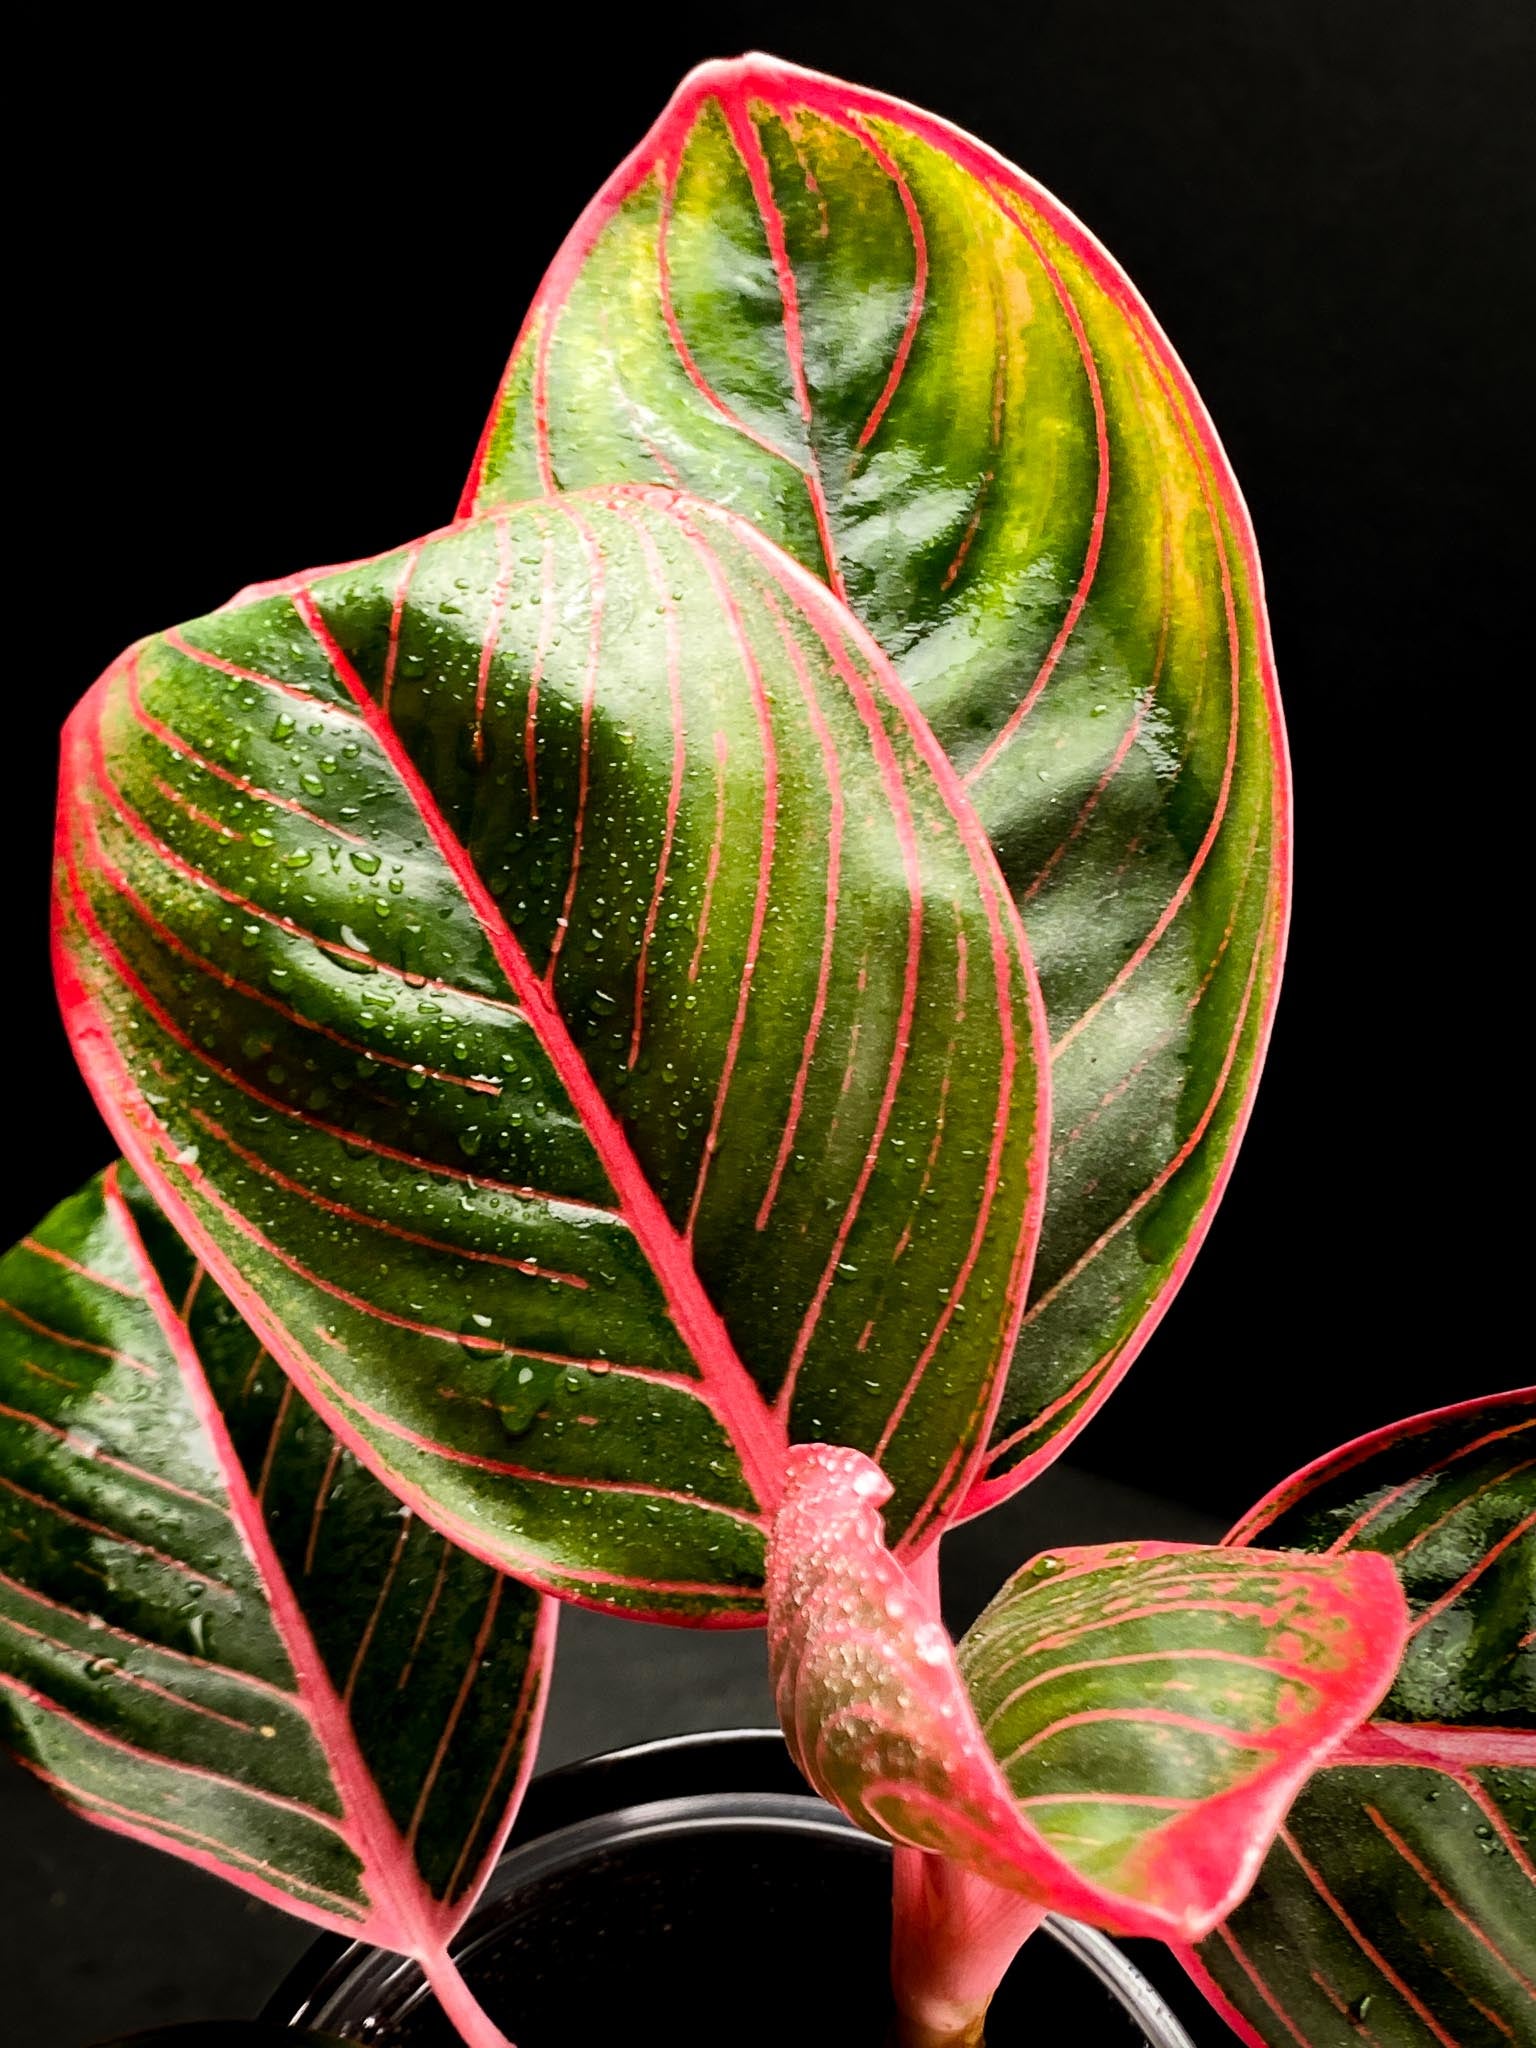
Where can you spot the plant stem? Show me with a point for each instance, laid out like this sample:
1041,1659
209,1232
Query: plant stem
470,2021
953,1935
923,1571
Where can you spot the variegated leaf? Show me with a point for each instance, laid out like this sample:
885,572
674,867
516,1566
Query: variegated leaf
913,368
1399,1905
1118,1736
551,976
218,1634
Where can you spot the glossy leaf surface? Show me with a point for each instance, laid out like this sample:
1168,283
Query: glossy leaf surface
914,369
1399,1905
218,1634
1117,1737
550,975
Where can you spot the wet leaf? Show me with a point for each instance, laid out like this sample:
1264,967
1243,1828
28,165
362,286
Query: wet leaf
1399,1904
915,370
1118,1736
219,1635
688,1104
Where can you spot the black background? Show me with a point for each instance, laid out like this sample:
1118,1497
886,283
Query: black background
270,284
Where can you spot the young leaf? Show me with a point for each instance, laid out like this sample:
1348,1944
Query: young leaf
220,1636
1399,1904
552,978
1119,1735
915,370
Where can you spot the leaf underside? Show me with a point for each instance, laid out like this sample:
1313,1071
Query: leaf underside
1119,1734
496,956
218,1633
1399,1905
908,365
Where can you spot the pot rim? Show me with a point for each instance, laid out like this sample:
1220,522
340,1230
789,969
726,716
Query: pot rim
562,1829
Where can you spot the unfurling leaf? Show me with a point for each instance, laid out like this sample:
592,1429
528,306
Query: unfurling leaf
1399,1904
1119,1735
218,1634
551,977
911,367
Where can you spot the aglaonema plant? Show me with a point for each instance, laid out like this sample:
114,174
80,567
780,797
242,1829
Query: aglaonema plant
1123,1732
567,994
453,1115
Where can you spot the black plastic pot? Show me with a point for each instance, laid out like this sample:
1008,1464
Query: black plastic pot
693,1891
222,2034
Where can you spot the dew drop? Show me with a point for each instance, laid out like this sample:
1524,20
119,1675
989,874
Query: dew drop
520,1395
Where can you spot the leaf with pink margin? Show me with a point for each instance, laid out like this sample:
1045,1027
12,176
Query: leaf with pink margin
219,1635
1399,1902
909,365
588,1016
1120,1734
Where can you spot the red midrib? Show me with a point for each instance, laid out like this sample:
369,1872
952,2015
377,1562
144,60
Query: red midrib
759,1442
1449,1749
365,1822
143,1139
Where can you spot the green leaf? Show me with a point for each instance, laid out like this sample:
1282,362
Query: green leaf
218,1634
1399,1906
550,975
1118,1736
915,370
